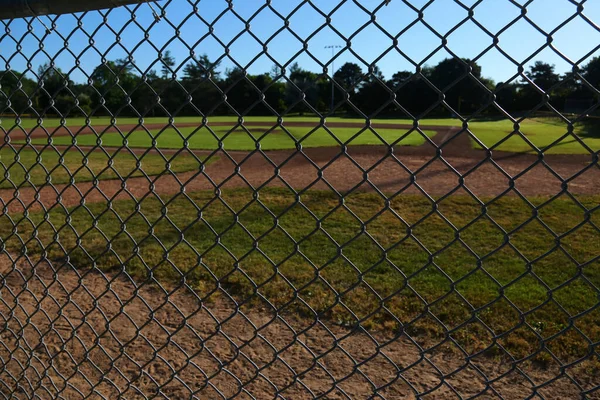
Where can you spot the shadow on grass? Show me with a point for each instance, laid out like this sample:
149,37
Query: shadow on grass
590,128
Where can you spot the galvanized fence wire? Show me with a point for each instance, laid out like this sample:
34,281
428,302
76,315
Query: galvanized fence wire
88,312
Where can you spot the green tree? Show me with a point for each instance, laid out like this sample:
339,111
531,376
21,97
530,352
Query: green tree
507,96
253,94
201,69
16,90
84,103
375,74
302,88
147,93
113,83
412,93
400,78
349,76
458,78
543,75
275,73
168,64
591,72
55,95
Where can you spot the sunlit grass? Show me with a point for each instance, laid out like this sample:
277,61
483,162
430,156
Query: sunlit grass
247,138
542,132
22,166
376,273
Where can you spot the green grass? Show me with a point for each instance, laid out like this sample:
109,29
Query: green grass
395,262
23,166
541,131
29,123
246,139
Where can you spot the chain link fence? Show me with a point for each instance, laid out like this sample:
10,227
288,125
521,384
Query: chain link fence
195,203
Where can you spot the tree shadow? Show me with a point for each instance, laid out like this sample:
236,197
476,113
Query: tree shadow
589,128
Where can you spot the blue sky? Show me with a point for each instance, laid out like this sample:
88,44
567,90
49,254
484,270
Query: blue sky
574,41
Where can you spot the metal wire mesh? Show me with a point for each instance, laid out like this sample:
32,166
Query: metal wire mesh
162,238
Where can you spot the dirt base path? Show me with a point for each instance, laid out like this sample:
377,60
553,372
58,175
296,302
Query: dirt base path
354,171
115,339
446,164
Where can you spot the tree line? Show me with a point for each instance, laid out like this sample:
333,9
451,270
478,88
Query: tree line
119,88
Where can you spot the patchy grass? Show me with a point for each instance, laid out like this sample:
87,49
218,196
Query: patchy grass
246,138
24,166
503,268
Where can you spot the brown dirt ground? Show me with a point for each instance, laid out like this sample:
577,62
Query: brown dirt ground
83,334
181,350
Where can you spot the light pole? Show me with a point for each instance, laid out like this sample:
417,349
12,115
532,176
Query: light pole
332,47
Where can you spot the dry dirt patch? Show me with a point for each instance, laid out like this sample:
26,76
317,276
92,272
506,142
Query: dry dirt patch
83,334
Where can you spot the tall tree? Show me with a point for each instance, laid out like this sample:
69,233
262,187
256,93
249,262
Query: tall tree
245,93
400,78
146,96
543,75
55,95
113,82
15,92
451,69
276,73
302,88
412,93
349,76
591,72
462,92
168,63
375,74
507,96
200,69
372,94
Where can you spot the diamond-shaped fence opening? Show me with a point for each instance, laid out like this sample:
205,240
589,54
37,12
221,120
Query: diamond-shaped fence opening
358,199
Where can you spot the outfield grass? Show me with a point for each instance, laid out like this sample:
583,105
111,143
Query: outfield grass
430,260
23,167
99,122
246,138
541,131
